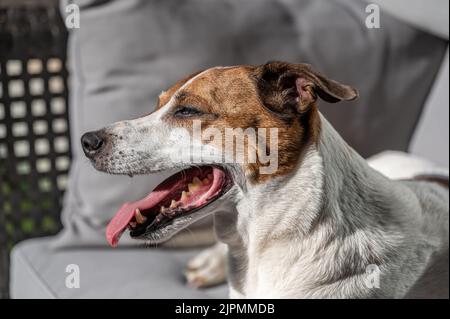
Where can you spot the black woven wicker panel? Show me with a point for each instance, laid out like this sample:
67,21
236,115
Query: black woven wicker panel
34,126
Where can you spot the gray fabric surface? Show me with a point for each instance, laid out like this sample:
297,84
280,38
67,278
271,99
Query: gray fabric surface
39,271
419,13
431,137
126,52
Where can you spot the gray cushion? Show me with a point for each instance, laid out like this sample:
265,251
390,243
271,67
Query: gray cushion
39,271
432,18
430,139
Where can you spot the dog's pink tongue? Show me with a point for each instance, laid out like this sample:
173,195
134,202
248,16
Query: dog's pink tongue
120,221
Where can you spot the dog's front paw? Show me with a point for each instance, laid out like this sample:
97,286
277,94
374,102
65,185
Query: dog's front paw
207,268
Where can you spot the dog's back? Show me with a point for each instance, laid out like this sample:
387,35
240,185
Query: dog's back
433,195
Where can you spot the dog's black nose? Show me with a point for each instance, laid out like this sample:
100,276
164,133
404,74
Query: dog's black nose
92,143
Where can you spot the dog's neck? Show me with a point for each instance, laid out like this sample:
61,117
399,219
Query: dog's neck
330,182
328,197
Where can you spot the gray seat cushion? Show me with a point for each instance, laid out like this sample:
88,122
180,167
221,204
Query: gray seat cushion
39,271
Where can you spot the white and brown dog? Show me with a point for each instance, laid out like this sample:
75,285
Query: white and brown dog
311,228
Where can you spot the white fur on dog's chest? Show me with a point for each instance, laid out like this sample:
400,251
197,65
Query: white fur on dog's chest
268,219
315,233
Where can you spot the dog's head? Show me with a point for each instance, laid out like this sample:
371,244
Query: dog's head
225,128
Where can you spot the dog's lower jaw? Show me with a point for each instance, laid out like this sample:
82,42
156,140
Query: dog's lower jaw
177,225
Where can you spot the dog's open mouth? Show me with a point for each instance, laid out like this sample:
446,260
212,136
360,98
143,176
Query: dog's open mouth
180,195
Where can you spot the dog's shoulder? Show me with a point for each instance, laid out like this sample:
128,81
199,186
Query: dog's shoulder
431,191
433,199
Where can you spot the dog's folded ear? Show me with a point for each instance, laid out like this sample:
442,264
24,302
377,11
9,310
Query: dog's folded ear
286,87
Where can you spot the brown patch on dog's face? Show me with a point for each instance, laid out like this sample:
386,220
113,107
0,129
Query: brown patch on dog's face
165,96
275,95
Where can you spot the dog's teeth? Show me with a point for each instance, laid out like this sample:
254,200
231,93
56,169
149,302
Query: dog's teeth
162,209
193,187
197,181
173,204
184,195
139,217
205,181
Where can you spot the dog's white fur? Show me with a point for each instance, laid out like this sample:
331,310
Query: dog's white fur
207,268
314,233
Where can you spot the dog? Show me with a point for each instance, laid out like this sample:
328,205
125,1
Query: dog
323,224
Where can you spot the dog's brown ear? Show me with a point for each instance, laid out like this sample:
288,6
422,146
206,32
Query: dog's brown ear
285,87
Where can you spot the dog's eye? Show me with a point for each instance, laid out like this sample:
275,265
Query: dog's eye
186,112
